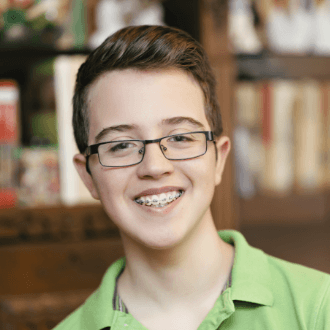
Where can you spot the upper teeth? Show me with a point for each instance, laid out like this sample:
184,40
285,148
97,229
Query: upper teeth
158,199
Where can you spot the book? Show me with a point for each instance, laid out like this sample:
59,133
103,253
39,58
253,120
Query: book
308,135
9,112
278,102
291,26
8,179
242,33
325,152
247,138
322,27
282,137
73,190
9,141
38,177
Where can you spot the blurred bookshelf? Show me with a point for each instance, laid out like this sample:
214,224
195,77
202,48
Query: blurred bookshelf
17,58
288,215
28,62
62,239
297,206
56,243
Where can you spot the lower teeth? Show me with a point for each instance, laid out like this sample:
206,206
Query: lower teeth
160,205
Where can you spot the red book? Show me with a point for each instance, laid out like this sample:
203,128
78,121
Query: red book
9,96
9,140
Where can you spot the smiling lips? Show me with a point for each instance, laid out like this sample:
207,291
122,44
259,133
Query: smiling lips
159,200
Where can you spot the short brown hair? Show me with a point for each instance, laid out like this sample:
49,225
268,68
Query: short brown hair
145,47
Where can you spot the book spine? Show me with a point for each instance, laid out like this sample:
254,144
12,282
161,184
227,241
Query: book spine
246,155
326,139
9,140
63,95
73,191
267,109
278,104
288,148
39,177
9,107
308,137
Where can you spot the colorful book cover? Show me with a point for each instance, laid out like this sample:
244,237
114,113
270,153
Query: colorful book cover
9,112
9,139
38,177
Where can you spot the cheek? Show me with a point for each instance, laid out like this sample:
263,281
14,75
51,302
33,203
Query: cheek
202,175
110,185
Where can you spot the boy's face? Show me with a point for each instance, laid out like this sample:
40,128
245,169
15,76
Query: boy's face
144,99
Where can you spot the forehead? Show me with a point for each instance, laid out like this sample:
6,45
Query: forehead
143,99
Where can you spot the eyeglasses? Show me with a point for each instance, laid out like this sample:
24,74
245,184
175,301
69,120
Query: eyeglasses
124,153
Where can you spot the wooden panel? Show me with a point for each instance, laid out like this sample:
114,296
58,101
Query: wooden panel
286,210
305,66
37,268
308,245
213,28
225,201
39,311
213,25
54,224
269,65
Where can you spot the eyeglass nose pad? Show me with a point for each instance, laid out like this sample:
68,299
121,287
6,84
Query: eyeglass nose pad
163,147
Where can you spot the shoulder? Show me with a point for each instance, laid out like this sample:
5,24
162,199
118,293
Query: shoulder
296,276
305,288
97,310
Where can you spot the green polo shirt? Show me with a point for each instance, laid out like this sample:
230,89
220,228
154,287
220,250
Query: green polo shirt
265,293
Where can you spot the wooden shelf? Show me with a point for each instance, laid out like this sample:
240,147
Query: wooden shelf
269,65
291,209
50,267
15,59
40,49
55,224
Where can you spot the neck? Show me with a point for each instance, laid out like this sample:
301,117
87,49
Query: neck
196,267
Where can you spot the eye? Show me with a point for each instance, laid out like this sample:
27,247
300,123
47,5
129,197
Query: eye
180,138
120,146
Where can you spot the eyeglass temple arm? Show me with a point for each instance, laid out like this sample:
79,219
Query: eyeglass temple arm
87,165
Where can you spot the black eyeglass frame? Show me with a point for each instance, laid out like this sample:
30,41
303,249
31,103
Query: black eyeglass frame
93,149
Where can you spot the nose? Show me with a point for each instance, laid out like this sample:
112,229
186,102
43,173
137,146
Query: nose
154,162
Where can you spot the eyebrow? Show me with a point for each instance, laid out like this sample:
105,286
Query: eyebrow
165,122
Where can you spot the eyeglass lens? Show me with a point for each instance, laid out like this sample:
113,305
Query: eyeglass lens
125,153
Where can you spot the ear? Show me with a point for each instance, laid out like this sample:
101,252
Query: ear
79,162
223,146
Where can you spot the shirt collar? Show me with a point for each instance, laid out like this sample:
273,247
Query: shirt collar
251,280
251,277
97,312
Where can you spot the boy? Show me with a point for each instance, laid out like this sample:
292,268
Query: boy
149,131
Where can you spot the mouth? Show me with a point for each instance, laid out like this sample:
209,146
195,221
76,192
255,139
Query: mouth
159,201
